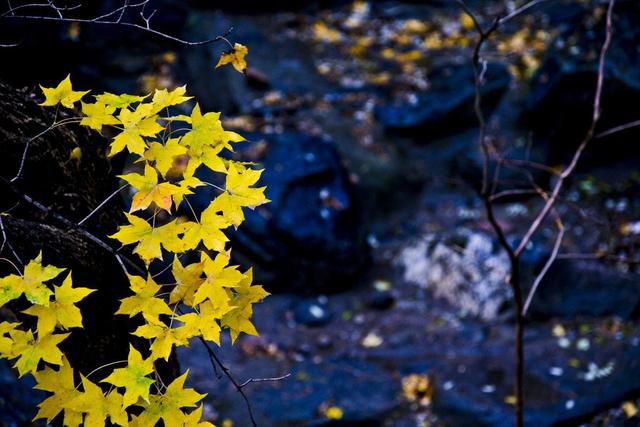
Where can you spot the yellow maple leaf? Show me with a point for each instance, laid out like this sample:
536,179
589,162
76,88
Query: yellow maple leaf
235,57
167,406
60,383
31,283
184,189
163,98
98,407
238,318
206,139
202,323
119,101
164,338
30,350
194,419
6,343
98,115
219,276
134,378
62,311
239,193
149,190
136,124
144,300
208,230
150,239
63,94
164,154
188,279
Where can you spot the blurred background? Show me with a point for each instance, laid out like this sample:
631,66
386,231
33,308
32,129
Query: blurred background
389,304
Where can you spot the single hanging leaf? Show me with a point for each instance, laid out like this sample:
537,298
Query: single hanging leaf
235,57
149,191
134,378
63,94
144,300
168,406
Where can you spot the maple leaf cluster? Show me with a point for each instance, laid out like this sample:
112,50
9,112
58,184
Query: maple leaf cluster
206,297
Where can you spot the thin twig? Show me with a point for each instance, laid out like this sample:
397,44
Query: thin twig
114,17
227,372
566,172
5,241
104,202
618,129
552,258
261,380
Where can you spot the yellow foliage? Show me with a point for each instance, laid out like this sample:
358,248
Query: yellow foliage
217,296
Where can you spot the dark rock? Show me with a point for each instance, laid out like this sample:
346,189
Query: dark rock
310,237
312,313
381,300
448,106
586,288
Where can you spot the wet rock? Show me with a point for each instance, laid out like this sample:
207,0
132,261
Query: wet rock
465,268
312,313
448,106
586,288
310,238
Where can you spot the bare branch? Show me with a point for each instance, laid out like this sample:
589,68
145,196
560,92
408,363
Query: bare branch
261,380
113,17
618,129
566,172
552,258
215,360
